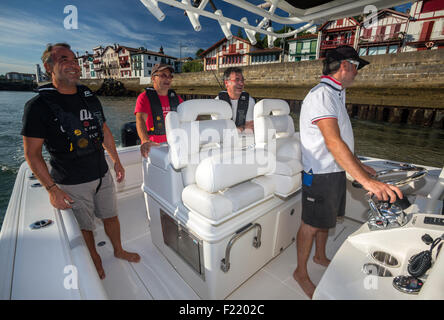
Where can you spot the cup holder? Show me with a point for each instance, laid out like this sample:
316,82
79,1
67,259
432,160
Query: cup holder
385,258
376,270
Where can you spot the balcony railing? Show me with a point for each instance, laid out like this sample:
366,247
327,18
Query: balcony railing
383,38
335,43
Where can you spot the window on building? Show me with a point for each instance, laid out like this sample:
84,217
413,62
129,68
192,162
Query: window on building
393,49
305,47
363,51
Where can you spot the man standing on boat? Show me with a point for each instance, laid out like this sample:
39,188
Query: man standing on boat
68,119
240,101
153,105
327,150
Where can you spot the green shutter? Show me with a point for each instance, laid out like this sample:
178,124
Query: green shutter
313,45
298,48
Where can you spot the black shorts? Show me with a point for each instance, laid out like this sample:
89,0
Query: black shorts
324,200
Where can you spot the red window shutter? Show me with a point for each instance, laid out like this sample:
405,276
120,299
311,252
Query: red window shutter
383,32
367,33
340,22
426,31
241,45
378,36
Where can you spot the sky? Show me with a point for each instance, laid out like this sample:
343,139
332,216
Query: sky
27,26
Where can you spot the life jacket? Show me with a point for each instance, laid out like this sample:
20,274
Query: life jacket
157,112
84,132
242,106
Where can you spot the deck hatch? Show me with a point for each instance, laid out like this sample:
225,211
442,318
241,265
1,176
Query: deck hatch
181,241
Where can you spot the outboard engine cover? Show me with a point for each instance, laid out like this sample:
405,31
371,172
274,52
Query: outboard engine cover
129,134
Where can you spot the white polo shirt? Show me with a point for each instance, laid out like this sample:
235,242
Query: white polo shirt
249,116
325,101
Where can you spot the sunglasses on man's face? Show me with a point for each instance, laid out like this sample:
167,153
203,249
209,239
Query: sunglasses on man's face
356,63
165,76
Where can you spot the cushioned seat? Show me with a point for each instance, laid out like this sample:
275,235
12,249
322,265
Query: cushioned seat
222,205
221,177
274,131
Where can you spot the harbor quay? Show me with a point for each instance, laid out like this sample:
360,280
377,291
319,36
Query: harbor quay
405,87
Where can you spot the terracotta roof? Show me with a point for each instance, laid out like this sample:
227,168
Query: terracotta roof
220,42
328,22
383,11
304,36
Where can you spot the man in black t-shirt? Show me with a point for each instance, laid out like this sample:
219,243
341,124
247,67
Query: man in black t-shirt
68,119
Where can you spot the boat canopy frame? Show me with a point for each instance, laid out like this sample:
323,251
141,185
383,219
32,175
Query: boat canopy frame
308,15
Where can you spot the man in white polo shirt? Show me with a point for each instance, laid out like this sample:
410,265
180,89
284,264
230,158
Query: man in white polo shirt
327,150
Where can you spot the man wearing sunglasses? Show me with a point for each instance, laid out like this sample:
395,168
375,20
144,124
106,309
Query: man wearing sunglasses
153,105
327,145
240,101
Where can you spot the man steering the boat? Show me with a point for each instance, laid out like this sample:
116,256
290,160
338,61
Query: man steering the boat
153,105
68,119
327,145
242,104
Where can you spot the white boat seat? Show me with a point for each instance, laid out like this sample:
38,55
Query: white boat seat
224,204
274,131
157,157
220,177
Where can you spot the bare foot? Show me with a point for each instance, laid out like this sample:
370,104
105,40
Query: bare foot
129,256
98,264
305,283
322,261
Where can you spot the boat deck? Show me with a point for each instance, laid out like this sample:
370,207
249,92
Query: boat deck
155,278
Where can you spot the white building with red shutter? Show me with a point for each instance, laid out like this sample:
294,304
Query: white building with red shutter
124,54
335,33
382,33
426,26
227,53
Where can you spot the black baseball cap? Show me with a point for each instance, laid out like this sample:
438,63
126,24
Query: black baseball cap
343,53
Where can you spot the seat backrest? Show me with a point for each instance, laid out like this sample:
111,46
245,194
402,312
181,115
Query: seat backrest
191,141
272,122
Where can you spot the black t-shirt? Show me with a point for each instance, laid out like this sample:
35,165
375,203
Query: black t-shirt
39,121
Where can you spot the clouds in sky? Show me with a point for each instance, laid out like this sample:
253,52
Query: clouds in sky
27,29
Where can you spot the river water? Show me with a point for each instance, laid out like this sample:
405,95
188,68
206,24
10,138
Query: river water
398,142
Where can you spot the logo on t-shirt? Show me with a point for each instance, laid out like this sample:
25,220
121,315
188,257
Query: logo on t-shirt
85,115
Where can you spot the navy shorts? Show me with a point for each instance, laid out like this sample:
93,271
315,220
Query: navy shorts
324,200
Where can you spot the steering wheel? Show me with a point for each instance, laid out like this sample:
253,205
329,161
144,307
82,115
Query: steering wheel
408,173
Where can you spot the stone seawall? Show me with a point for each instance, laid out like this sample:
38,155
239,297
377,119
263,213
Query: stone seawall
405,87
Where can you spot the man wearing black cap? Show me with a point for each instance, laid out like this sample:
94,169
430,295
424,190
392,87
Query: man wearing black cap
327,146
152,107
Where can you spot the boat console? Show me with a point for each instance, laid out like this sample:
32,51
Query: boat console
383,214
221,208
394,262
